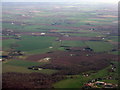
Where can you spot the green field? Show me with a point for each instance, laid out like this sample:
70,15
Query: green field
87,34
35,44
74,43
12,26
6,44
99,46
20,69
22,65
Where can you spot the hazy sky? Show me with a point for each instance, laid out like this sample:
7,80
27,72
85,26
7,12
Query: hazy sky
107,1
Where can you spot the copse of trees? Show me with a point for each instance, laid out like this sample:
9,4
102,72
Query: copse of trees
32,80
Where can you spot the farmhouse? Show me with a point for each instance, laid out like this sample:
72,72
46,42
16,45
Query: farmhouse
99,83
12,23
50,47
72,54
85,74
38,34
66,35
45,59
43,33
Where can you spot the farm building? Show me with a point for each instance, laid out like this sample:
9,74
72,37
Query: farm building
38,34
99,83
45,59
43,33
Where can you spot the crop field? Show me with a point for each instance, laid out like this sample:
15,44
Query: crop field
90,34
6,44
21,66
98,46
19,69
34,43
59,45
74,43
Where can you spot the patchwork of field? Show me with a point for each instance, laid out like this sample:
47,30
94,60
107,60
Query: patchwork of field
59,42
35,43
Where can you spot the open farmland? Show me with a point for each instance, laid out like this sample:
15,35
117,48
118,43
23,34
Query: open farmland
22,67
74,43
98,46
35,43
59,45
7,43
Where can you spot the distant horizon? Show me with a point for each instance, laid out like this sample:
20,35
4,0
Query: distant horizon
92,1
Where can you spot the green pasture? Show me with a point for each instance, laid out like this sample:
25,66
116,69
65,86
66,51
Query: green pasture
87,34
30,28
12,26
38,44
22,67
31,43
10,68
113,38
73,43
99,46
22,63
37,28
6,44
